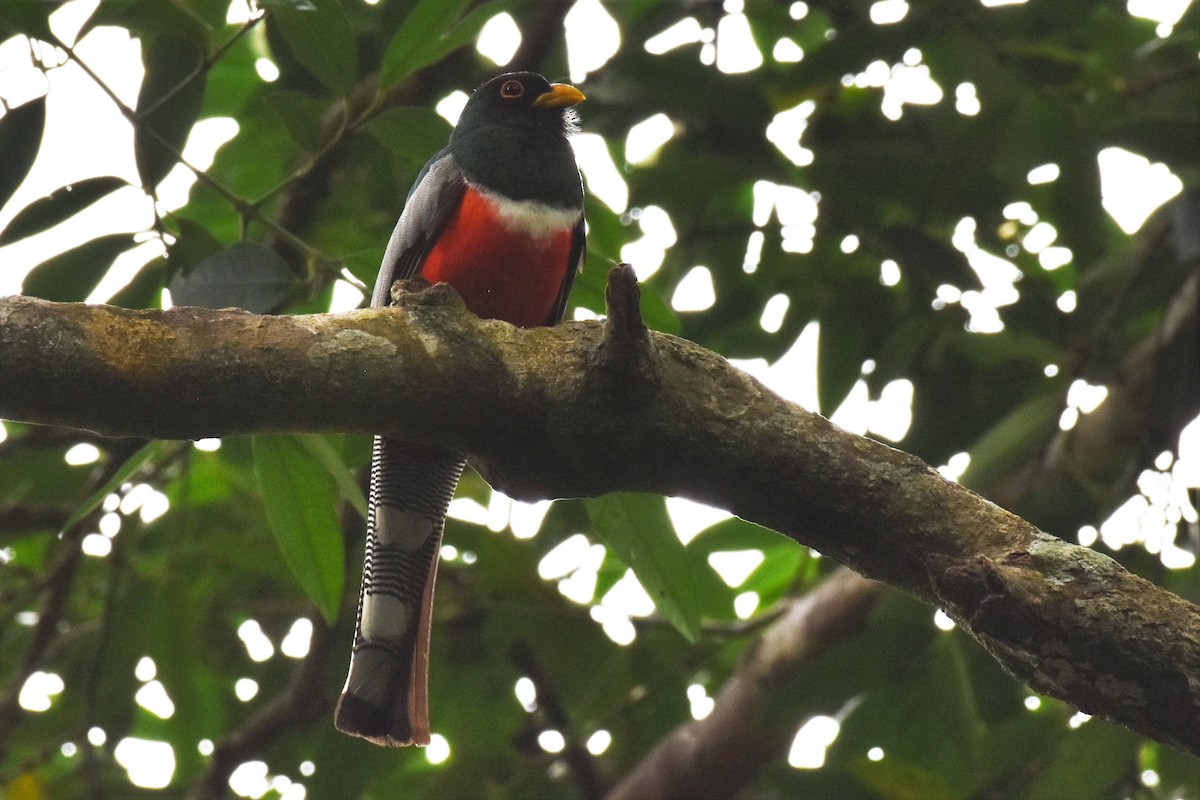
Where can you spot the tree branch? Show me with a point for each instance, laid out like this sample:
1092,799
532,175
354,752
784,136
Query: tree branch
545,414
59,582
302,702
717,756
579,761
1093,464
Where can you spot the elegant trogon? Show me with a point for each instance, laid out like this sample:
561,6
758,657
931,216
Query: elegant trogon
497,214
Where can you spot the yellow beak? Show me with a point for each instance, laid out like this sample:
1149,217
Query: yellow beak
561,95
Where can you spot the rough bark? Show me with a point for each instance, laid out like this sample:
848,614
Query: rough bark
587,408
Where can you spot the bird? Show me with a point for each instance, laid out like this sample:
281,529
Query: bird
498,215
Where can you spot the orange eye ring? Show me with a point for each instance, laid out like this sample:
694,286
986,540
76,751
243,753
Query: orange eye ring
511,90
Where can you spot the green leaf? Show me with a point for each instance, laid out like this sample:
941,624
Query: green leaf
841,350
31,19
143,17
300,498
606,233
300,114
193,244
59,205
1013,441
168,103
210,13
233,82
320,38
430,34
413,132
245,275
144,290
926,260
71,276
1091,762
143,456
20,137
636,528
322,448
782,557
892,779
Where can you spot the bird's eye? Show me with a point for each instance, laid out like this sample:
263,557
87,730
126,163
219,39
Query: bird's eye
511,90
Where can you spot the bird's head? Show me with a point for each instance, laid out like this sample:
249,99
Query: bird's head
524,99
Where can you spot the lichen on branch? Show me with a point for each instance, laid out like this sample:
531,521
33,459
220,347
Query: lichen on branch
586,408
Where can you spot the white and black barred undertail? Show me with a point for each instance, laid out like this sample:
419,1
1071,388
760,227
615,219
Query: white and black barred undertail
424,486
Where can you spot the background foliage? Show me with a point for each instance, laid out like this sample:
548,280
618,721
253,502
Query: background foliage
867,237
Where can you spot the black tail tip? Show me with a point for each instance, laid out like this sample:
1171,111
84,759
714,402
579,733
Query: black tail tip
357,717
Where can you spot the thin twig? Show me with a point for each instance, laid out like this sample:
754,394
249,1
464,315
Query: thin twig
716,756
579,761
244,208
61,580
302,702
58,582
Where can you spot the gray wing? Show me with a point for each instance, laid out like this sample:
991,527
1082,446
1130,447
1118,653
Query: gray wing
433,199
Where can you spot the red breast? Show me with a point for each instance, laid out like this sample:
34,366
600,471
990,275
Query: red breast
503,267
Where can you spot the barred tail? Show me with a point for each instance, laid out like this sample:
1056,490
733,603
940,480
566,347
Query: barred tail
385,697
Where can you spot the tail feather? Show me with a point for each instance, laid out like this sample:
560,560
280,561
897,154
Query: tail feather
385,697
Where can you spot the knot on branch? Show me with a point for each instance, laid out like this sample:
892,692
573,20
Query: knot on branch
984,592
416,292
625,358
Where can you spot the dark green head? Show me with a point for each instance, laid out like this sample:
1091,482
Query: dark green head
522,100
512,138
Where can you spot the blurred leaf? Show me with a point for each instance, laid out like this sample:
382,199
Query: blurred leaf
413,132
193,245
430,33
606,233
916,705
233,83
31,19
253,163
25,786
892,779
1075,203
210,13
20,137
71,276
148,17
144,290
146,454
300,498
245,275
1018,740
182,627
929,262
40,476
1178,771
1013,441
637,529
589,288
168,103
782,557
1092,762
59,205
319,36
841,351
328,454
301,114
